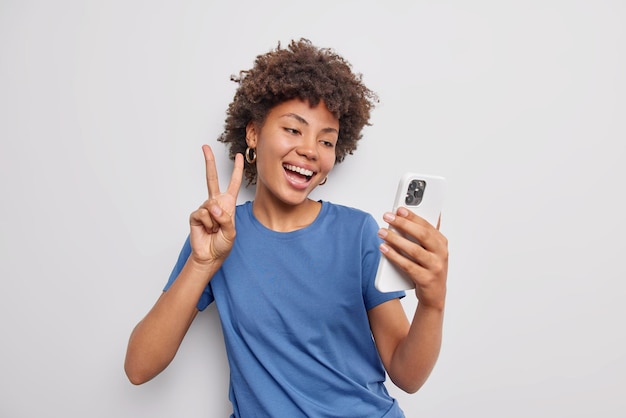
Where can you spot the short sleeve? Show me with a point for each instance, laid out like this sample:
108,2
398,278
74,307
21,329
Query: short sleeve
207,295
370,259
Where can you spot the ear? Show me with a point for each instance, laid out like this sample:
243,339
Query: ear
251,134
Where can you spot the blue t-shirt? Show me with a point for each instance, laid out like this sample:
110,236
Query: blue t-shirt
293,308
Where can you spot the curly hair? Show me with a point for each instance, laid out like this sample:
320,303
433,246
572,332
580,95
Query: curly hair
301,71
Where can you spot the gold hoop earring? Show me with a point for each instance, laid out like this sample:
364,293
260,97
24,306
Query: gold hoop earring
323,181
250,155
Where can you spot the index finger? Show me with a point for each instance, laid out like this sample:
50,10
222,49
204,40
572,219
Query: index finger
403,212
212,183
414,225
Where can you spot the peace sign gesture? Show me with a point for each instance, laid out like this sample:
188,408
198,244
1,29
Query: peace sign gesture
213,223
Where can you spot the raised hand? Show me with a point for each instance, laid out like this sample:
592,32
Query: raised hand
426,264
213,224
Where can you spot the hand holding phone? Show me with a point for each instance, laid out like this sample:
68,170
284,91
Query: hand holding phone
423,195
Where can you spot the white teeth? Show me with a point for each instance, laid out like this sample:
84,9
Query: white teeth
300,170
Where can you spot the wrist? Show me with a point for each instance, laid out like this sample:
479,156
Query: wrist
430,305
430,308
203,266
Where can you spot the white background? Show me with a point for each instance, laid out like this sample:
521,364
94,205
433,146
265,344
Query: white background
104,107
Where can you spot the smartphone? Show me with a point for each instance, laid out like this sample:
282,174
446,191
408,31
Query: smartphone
422,194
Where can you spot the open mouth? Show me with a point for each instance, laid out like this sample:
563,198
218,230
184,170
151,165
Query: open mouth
298,172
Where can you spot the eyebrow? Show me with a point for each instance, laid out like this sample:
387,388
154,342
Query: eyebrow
304,121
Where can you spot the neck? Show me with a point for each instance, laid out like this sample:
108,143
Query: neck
281,217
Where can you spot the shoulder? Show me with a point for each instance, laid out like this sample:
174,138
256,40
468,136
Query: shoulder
346,216
243,206
242,209
346,211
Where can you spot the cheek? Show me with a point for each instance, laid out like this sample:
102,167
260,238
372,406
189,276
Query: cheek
329,161
273,144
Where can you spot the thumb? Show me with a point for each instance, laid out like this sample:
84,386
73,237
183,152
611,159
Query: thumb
224,219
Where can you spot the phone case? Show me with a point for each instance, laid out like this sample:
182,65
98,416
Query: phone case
424,195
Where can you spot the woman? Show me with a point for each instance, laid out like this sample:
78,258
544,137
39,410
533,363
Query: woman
306,332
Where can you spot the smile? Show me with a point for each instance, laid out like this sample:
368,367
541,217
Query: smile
302,171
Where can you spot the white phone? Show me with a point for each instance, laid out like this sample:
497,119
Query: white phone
423,195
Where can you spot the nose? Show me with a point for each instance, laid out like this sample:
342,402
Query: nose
307,147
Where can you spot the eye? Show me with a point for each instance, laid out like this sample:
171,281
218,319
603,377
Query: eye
292,131
329,144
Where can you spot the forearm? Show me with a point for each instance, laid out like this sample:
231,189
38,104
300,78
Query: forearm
415,357
157,337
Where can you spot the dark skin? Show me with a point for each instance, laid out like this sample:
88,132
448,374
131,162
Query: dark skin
408,349
157,337
299,71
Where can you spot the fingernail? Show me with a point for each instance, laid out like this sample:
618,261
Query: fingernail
402,211
383,248
216,210
382,232
389,217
